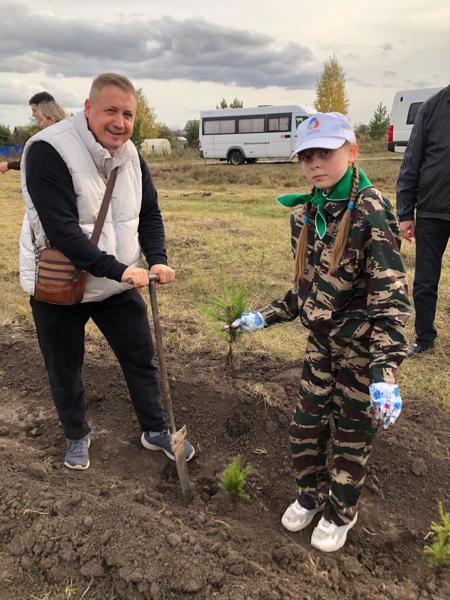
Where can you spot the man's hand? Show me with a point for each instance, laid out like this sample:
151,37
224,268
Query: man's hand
166,274
386,402
3,167
136,277
408,229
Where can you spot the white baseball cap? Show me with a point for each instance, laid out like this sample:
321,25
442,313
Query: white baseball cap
324,130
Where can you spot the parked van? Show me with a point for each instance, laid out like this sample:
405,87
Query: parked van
404,111
240,135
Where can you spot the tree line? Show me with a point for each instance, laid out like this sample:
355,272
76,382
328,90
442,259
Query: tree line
18,135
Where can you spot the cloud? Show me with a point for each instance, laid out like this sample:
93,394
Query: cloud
386,47
14,91
424,82
163,49
361,82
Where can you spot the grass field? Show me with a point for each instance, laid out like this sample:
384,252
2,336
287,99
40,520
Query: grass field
221,218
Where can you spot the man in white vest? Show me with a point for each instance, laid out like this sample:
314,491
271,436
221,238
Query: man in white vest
64,173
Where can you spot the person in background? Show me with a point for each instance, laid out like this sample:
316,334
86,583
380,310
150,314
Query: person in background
9,165
350,291
33,102
65,169
49,113
423,208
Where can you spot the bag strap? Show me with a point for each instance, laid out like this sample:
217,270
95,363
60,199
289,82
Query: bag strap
101,213
104,207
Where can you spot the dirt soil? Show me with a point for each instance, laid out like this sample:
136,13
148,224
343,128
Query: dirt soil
119,530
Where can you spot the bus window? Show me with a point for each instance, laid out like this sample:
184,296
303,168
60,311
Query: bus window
214,126
412,112
299,120
251,125
278,123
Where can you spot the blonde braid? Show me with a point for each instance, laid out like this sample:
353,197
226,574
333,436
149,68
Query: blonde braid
302,244
340,243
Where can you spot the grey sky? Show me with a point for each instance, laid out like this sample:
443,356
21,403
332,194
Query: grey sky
163,49
187,57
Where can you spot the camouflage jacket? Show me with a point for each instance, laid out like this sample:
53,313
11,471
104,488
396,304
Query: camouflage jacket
368,294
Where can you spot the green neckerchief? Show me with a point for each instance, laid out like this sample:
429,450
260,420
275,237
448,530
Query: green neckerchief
339,193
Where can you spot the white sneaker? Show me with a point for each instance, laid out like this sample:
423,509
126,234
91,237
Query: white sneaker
296,517
329,537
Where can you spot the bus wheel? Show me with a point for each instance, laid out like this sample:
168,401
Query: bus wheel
236,158
251,161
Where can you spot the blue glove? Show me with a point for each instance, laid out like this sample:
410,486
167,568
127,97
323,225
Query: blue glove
386,402
249,322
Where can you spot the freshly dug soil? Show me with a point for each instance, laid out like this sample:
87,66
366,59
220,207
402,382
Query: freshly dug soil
119,529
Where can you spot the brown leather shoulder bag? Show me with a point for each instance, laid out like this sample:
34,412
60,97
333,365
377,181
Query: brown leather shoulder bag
57,279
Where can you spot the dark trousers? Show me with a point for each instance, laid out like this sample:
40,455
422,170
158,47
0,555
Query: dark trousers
431,241
123,321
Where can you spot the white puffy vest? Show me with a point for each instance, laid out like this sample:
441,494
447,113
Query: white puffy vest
90,165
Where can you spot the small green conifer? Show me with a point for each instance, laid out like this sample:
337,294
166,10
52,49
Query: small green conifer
438,552
233,479
225,308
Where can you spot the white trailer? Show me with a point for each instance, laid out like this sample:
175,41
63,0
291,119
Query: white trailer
405,107
156,147
240,135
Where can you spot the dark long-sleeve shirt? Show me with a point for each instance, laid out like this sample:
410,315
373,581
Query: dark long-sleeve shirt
51,189
423,185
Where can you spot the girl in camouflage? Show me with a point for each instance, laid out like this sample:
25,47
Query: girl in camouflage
350,291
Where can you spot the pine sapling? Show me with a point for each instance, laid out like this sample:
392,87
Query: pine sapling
225,308
438,553
233,479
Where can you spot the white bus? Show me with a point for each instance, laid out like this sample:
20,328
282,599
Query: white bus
405,107
240,135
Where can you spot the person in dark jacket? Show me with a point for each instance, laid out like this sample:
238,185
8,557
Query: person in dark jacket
423,206
34,101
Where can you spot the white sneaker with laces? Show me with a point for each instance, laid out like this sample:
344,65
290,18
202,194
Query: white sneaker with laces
329,537
296,517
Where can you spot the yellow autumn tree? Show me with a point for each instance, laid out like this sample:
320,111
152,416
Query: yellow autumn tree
145,117
330,90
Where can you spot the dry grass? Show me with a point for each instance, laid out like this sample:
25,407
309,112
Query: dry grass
223,217
66,592
261,394
71,591
13,303
201,175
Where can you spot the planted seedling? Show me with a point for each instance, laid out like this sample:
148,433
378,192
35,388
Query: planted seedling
438,552
222,310
232,481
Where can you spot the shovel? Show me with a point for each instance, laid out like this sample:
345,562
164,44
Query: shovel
176,437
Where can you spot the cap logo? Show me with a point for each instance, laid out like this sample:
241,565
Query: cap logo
313,123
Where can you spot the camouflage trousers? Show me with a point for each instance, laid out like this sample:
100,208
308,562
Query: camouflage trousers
333,412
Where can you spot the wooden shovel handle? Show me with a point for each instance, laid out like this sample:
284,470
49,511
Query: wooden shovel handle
165,388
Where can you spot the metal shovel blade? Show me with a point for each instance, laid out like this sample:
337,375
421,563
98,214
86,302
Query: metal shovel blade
177,438
177,443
